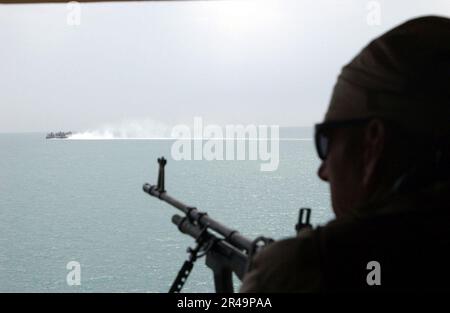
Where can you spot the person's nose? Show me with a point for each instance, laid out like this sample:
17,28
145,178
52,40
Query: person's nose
322,172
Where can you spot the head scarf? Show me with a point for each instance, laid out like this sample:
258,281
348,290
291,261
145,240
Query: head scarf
403,76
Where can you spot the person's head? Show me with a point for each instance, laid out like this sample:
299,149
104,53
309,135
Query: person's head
389,115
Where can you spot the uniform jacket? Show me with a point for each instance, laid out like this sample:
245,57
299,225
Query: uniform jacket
408,235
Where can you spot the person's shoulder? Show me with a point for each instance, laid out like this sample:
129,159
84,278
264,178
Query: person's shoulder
280,265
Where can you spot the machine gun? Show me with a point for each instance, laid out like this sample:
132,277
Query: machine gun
225,249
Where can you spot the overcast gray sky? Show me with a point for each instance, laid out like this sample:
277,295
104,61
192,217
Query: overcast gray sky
265,62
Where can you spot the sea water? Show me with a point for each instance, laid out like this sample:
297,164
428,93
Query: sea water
82,200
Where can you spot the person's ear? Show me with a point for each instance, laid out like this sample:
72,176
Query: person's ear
373,145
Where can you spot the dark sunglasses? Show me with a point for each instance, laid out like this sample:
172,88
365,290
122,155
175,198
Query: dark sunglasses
322,133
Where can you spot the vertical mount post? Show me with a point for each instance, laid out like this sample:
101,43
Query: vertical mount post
162,163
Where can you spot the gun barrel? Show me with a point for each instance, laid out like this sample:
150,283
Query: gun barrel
185,227
232,236
153,191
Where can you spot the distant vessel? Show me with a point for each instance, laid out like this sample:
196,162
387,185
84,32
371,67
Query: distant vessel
58,135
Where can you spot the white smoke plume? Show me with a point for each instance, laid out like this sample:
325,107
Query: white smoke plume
129,129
